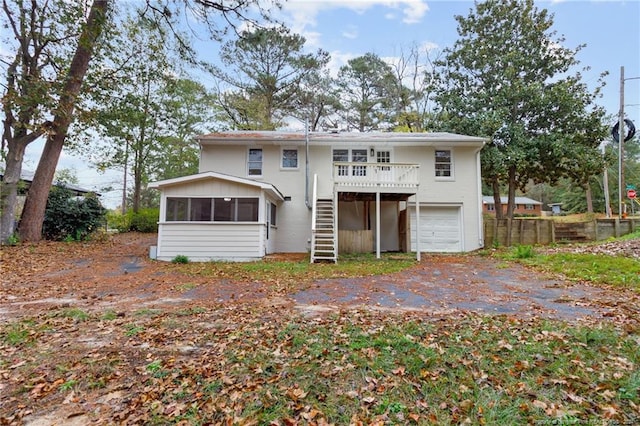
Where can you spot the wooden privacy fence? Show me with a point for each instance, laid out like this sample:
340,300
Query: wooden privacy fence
529,231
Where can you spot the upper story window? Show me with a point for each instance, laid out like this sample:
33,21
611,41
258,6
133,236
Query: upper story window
383,156
254,162
289,158
352,156
359,156
444,162
342,156
226,209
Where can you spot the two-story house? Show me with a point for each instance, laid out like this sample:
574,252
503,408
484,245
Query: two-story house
263,192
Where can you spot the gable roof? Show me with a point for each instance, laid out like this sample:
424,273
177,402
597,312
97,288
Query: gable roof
215,175
488,199
27,177
332,138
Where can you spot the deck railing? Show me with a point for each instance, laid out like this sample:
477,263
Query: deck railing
381,175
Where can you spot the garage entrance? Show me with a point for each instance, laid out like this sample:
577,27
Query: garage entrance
440,229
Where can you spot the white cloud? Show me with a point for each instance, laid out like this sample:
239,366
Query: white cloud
299,15
428,46
338,59
351,32
414,11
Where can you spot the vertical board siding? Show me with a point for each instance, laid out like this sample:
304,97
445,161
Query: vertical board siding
355,241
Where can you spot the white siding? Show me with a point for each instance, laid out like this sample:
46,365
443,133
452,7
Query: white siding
212,188
294,217
463,190
211,241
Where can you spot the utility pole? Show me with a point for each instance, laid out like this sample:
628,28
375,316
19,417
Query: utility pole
621,140
621,135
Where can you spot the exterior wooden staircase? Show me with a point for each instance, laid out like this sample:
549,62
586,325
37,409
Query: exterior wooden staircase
323,233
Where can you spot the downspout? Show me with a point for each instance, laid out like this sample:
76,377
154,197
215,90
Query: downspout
480,207
306,164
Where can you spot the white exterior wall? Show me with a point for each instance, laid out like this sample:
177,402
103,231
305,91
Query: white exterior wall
463,189
294,217
293,225
211,188
204,241
211,241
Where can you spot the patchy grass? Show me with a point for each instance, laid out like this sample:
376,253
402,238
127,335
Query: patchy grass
594,268
288,275
17,333
585,263
349,368
633,236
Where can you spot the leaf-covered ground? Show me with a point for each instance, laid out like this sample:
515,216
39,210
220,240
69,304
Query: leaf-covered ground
96,333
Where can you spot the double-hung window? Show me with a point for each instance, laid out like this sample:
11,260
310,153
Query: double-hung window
444,163
353,156
341,156
359,156
289,158
254,162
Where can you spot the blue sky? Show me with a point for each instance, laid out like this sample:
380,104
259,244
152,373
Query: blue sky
610,29
350,28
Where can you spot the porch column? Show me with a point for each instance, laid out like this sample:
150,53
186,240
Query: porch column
378,225
417,228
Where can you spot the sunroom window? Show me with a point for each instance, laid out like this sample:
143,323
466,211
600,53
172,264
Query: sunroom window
223,209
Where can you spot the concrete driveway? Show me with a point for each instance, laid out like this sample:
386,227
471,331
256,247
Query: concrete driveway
442,284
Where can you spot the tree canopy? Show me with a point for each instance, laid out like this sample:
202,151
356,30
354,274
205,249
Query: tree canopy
264,68
368,90
51,45
509,77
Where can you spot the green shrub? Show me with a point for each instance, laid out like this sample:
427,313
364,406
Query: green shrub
524,252
71,218
13,240
146,220
181,258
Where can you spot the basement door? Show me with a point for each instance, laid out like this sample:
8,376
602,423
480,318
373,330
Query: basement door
440,229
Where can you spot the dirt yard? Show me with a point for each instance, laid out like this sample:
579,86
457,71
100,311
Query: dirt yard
99,333
117,274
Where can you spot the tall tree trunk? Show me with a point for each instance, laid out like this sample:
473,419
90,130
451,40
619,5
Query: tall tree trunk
16,136
497,200
511,202
137,177
589,199
33,214
9,189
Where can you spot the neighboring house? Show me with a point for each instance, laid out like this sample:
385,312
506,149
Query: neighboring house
26,177
556,208
328,193
524,206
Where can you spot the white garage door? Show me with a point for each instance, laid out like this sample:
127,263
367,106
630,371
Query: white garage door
440,229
